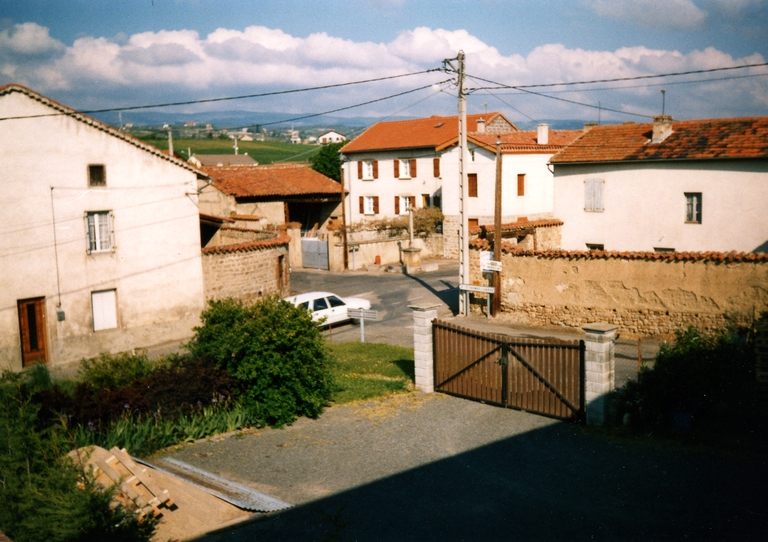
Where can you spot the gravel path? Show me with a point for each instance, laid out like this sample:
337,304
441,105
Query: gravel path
423,467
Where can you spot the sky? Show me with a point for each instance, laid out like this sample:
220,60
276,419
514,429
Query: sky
96,54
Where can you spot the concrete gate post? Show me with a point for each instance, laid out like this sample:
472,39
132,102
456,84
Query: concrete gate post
422,346
600,370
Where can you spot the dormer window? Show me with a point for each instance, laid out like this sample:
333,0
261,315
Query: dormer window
97,175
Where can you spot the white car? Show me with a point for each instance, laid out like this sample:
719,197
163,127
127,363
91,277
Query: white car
328,308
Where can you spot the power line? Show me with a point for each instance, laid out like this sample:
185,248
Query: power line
227,98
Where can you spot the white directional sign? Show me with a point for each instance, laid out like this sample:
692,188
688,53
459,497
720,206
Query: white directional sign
491,265
474,288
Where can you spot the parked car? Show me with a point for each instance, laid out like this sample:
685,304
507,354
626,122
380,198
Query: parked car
328,308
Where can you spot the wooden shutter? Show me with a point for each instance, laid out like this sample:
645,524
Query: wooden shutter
397,205
436,167
362,205
593,195
375,169
411,202
360,170
413,168
472,184
375,205
397,168
521,184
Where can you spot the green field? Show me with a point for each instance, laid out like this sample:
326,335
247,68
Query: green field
264,152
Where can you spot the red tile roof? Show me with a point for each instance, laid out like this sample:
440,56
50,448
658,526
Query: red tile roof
280,180
521,225
68,111
432,132
689,140
261,244
526,142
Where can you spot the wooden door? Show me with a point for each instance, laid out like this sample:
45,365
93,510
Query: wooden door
34,348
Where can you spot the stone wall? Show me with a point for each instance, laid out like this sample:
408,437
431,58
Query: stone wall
644,294
547,231
247,270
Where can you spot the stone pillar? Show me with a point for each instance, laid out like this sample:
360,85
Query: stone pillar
600,370
422,346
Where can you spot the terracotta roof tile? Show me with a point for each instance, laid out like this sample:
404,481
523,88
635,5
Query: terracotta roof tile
249,246
689,140
274,180
728,257
518,226
526,142
429,132
214,218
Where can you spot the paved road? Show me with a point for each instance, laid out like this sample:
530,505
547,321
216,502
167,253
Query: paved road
434,467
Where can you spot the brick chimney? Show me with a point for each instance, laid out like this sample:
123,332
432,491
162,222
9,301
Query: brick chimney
662,128
542,137
589,125
481,126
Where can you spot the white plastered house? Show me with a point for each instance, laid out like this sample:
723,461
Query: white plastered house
694,185
99,237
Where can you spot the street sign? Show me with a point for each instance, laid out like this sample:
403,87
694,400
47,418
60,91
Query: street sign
490,265
474,288
362,315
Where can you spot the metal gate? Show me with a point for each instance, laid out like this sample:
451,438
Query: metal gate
541,376
314,252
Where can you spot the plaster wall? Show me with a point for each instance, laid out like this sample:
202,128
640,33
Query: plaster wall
645,206
644,297
155,266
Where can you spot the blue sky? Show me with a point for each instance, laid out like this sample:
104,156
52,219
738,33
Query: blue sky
106,53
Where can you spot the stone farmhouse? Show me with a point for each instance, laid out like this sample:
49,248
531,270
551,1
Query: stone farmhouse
100,247
693,185
331,136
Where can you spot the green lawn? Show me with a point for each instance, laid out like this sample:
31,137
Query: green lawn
264,152
369,370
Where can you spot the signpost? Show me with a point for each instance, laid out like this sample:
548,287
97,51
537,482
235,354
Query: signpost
363,315
482,289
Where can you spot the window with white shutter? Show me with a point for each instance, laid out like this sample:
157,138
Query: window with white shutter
104,306
593,195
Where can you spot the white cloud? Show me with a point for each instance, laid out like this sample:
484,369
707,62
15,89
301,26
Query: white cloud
28,39
668,14
174,65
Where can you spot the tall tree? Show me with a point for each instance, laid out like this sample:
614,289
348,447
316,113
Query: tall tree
327,160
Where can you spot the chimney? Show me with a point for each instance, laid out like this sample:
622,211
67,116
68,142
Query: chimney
481,126
589,125
662,128
542,137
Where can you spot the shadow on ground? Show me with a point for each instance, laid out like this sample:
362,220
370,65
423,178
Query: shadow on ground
559,482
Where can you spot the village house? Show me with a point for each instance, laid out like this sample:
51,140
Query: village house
666,186
331,136
100,248
100,241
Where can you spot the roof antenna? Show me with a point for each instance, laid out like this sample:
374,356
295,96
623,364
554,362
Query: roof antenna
663,100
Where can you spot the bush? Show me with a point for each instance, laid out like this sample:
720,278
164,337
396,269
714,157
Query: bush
114,370
698,374
428,220
273,350
44,496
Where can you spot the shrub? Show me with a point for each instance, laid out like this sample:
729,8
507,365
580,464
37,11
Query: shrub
698,374
428,220
114,370
274,351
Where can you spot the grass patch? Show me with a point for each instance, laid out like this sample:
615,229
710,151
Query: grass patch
370,370
264,152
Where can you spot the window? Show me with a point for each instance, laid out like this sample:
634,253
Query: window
369,205
521,184
693,207
320,304
425,200
104,309
472,184
473,223
368,170
97,175
436,167
405,169
595,246
593,195
436,201
99,227
334,301
402,204
663,249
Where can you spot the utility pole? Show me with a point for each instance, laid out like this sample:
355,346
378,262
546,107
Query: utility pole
496,301
170,141
463,191
345,248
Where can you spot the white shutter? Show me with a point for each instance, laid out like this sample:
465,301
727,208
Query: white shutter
104,310
593,195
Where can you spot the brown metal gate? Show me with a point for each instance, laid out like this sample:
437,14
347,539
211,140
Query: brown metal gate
541,376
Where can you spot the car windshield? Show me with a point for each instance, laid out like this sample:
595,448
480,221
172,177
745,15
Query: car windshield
320,304
335,301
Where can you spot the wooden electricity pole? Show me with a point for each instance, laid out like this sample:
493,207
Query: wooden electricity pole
496,301
345,248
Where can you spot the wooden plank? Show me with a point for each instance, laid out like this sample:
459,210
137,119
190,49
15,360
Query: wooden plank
141,473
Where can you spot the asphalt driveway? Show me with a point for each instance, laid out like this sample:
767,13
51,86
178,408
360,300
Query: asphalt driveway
428,467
